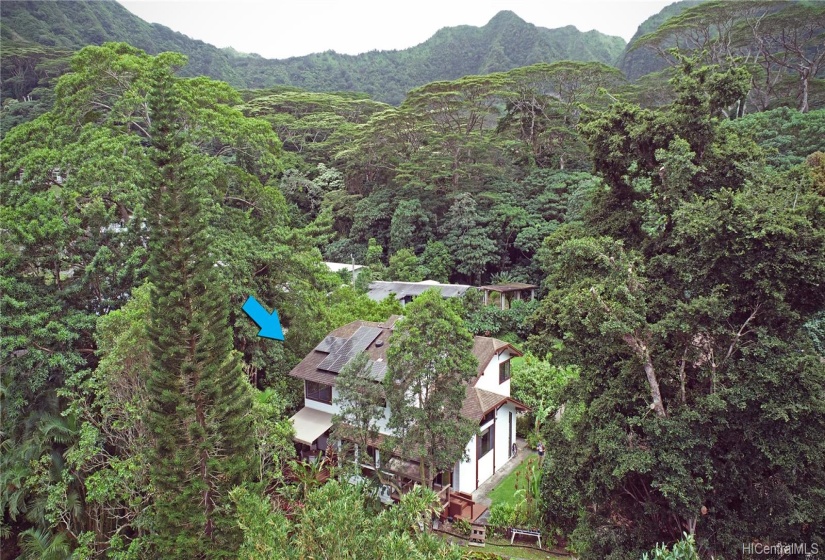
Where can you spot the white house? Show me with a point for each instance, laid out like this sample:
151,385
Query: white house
487,402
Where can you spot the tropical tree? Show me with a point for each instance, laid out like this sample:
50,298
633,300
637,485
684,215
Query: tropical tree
405,267
429,364
685,313
198,409
341,521
467,238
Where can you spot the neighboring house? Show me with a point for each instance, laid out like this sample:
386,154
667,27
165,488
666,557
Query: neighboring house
405,292
338,267
487,402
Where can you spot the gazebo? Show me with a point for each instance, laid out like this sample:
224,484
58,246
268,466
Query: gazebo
508,293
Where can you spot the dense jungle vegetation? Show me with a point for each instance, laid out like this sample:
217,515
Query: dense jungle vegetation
675,224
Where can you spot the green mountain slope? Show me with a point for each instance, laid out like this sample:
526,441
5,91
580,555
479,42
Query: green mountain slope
506,42
73,25
636,63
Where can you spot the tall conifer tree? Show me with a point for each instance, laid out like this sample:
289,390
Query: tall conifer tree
198,411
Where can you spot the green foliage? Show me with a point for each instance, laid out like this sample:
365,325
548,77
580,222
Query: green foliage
683,549
685,276
345,305
492,320
786,135
405,267
429,363
637,62
42,545
815,328
437,261
361,406
541,386
467,240
502,517
681,300
461,526
198,400
410,226
777,44
338,521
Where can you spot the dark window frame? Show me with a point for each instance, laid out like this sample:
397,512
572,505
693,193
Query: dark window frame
486,442
317,391
504,372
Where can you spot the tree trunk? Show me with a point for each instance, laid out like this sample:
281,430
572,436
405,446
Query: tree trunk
643,353
804,105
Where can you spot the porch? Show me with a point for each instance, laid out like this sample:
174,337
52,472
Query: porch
504,295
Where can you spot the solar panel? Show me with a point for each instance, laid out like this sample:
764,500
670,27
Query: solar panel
330,344
341,355
378,371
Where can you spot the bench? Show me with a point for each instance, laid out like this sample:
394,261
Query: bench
527,532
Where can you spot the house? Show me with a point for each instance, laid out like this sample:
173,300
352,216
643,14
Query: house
338,267
487,402
405,292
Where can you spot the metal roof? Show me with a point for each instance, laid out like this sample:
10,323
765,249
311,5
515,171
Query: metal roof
379,290
511,287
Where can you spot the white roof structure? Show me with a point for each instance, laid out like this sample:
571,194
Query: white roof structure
335,267
310,423
379,290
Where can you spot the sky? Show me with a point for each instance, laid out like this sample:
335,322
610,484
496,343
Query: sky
285,28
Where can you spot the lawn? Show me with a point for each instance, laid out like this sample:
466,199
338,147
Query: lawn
503,548
518,552
505,492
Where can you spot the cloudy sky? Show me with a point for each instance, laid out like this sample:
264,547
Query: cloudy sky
284,28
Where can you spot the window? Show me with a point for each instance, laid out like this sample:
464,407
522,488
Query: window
372,453
319,392
488,417
503,371
486,441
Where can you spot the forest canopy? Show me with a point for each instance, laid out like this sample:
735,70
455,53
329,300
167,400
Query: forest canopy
674,226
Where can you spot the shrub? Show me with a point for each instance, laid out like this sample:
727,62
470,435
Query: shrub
685,549
502,517
461,526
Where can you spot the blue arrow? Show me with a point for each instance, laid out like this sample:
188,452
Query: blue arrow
270,324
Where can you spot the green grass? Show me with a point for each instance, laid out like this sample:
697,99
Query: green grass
518,552
505,492
503,548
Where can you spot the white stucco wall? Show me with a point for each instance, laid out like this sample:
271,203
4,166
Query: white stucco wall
467,470
502,435
489,379
486,467
464,475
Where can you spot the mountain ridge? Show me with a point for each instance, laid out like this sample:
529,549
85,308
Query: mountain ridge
505,42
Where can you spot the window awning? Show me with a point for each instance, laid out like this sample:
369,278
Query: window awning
310,424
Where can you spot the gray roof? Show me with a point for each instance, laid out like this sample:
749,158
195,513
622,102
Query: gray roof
380,290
